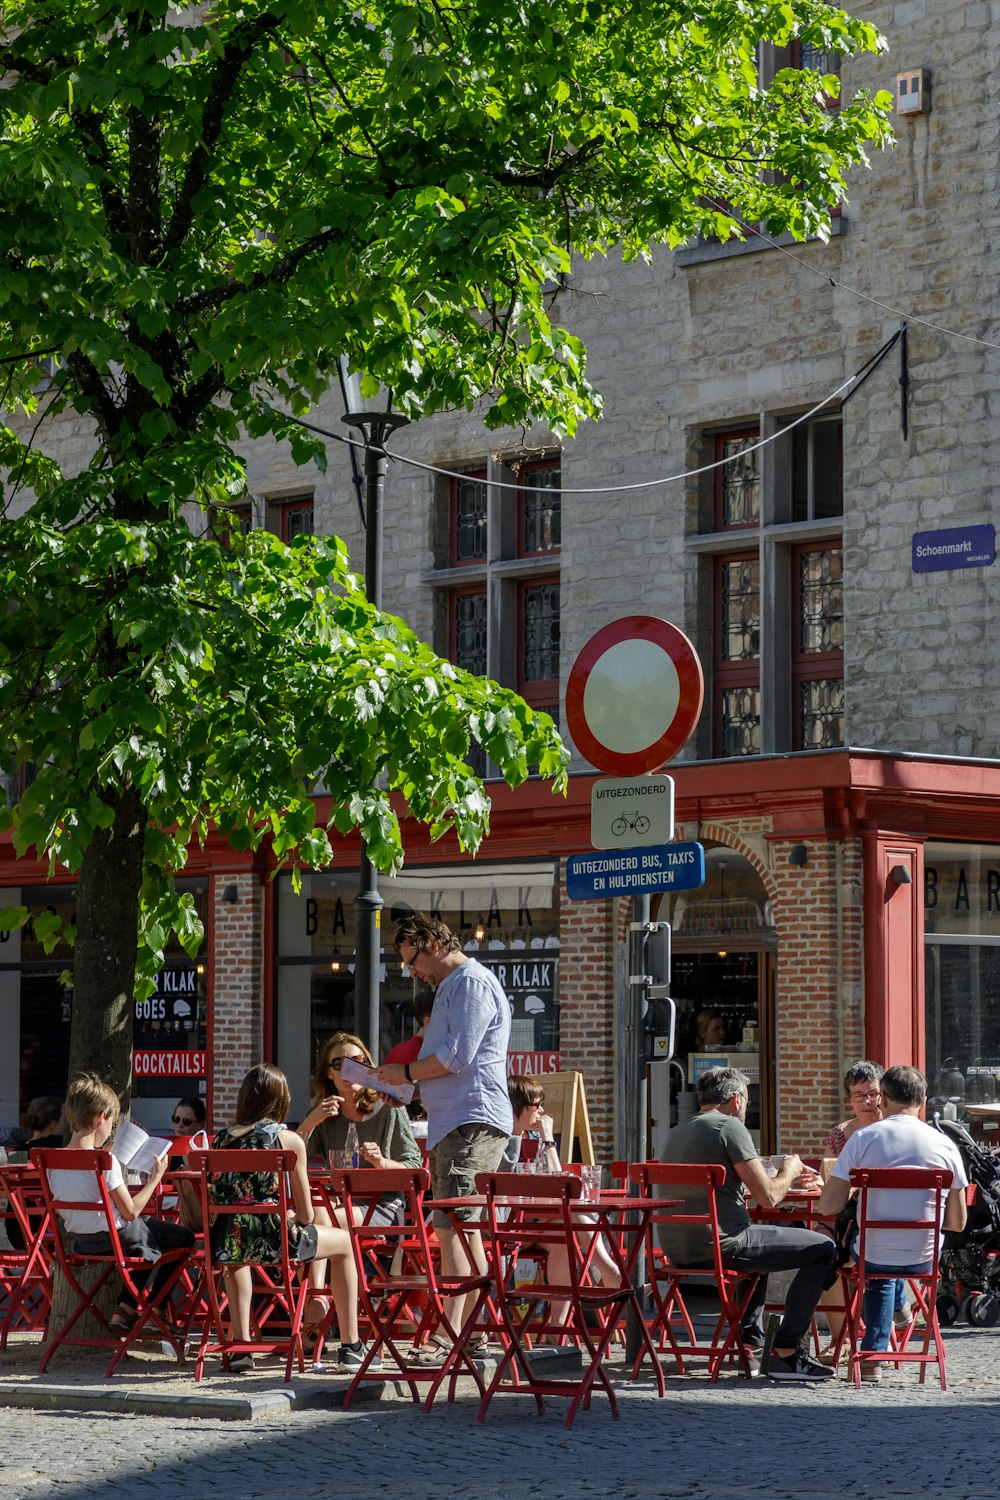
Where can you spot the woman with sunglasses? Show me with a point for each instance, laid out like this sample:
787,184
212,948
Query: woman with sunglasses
189,1115
384,1136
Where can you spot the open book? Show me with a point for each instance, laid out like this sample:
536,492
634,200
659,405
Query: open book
135,1149
356,1072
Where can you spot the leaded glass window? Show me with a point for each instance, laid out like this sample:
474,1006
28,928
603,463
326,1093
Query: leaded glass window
470,519
541,519
741,721
821,712
540,632
469,628
739,480
821,600
741,609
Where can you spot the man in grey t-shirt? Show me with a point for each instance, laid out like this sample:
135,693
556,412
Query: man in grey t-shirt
718,1136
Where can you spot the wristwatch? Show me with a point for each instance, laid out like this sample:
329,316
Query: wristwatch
406,1073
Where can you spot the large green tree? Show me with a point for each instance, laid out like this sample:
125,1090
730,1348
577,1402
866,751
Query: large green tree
201,207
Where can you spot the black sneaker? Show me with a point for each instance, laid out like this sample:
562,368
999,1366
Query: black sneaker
353,1357
797,1366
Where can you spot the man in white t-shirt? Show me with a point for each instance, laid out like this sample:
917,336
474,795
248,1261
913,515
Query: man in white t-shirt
899,1139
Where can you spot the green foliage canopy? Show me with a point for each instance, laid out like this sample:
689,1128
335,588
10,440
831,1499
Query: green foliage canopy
201,207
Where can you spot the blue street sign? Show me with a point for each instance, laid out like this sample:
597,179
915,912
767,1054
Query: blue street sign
631,872
957,547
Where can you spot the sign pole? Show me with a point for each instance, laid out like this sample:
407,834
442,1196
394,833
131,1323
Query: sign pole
635,1117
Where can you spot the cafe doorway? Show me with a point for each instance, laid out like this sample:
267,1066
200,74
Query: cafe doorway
723,983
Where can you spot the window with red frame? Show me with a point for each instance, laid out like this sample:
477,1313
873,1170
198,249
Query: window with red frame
467,629
468,518
736,720
808,56
818,647
538,642
296,517
539,514
737,479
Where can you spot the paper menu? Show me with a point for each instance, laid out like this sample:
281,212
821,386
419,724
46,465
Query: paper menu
135,1149
356,1072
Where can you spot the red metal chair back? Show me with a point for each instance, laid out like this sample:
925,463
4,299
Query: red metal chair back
547,1223
26,1266
90,1194
279,1299
672,1322
401,1293
934,1184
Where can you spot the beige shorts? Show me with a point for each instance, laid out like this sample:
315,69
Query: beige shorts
455,1161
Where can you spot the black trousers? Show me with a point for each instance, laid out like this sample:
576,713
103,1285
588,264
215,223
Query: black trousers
771,1247
145,1237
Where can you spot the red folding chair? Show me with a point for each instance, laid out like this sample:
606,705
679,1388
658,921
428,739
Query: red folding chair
516,1304
407,1302
671,1323
152,1309
935,1185
26,1261
280,1288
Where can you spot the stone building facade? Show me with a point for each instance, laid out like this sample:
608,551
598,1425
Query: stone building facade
848,730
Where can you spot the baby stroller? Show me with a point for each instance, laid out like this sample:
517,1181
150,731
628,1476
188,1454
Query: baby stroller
970,1258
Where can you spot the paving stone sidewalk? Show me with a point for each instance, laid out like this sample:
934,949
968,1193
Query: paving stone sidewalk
739,1440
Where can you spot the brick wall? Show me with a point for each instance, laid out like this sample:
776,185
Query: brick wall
587,1014
238,990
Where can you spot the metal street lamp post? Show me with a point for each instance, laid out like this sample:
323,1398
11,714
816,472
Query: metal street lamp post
372,414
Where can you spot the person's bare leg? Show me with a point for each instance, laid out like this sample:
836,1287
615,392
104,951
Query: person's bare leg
239,1290
457,1260
335,1246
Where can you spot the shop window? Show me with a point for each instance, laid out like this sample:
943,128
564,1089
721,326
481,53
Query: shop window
505,915
818,656
737,655
962,980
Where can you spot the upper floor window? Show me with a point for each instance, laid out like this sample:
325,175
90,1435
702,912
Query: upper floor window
737,479
539,527
468,629
538,636
736,717
468,518
817,469
296,517
818,651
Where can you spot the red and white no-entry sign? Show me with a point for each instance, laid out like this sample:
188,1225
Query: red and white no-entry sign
634,695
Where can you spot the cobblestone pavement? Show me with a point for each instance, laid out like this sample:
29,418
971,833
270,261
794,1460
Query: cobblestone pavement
740,1440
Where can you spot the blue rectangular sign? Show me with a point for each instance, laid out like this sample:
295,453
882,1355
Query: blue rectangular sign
633,872
956,547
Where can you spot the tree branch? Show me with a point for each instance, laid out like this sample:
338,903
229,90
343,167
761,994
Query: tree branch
237,52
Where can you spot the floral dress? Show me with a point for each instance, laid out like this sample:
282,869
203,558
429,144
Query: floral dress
248,1239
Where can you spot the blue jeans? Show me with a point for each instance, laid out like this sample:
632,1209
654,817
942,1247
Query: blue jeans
882,1298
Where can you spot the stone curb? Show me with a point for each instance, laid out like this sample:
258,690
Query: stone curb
246,1407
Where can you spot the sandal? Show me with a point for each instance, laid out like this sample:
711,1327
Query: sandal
123,1318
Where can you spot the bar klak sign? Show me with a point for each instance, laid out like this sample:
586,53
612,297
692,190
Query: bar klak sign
633,699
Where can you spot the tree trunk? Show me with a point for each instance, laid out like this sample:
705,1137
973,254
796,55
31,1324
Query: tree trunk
107,912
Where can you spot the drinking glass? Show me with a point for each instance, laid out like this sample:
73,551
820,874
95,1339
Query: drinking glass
591,1180
340,1161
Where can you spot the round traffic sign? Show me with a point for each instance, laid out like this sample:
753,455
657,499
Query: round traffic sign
634,695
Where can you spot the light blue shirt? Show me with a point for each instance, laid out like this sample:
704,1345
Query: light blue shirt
468,1033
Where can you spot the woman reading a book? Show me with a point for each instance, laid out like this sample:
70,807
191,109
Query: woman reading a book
91,1111
243,1240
